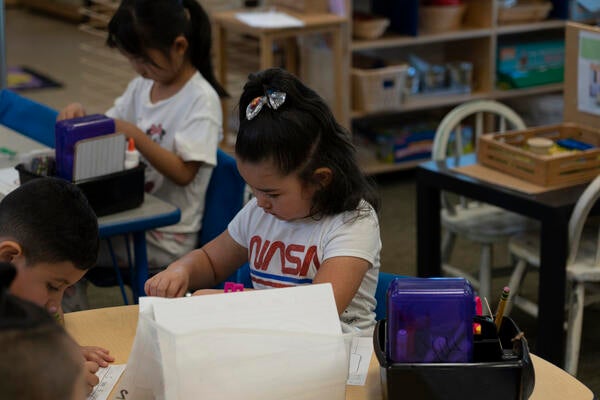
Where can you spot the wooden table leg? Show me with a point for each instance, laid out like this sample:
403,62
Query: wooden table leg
291,55
266,52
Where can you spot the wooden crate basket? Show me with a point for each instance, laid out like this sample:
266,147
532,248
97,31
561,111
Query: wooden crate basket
508,153
524,12
378,89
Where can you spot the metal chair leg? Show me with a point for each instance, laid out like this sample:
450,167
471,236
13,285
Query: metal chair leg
113,257
515,284
485,271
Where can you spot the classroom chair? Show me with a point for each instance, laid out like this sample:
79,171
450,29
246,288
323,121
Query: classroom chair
583,269
29,118
477,222
385,278
224,198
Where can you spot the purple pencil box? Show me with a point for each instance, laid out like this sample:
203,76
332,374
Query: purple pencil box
70,131
430,320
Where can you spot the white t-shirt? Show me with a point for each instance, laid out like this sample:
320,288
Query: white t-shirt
188,124
283,253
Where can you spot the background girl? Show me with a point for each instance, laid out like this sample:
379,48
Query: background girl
313,218
172,111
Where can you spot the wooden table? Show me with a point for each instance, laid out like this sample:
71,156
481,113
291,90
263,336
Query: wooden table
335,25
114,328
552,209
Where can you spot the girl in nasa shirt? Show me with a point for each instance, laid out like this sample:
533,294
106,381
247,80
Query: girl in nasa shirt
313,218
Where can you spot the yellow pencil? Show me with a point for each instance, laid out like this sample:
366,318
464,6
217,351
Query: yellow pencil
501,305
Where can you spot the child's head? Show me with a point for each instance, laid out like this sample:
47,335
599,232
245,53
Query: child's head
301,140
39,359
50,233
159,35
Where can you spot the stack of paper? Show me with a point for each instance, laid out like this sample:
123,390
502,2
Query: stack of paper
268,344
269,19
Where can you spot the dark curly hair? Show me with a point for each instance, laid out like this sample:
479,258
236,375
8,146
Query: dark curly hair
299,137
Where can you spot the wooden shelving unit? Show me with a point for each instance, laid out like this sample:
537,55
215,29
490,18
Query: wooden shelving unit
66,9
477,42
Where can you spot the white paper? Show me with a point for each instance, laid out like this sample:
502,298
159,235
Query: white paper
307,309
269,19
9,180
588,73
360,358
108,379
263,340
97,156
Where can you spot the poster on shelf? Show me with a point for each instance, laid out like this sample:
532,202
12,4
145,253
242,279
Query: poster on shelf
588,90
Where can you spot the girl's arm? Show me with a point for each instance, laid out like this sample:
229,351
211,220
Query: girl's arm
166,162
73,110
201,268
345,275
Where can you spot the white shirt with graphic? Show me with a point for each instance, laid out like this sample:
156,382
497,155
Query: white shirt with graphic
283,254
188,124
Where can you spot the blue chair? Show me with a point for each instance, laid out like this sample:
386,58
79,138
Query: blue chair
385,278
224,198
27,117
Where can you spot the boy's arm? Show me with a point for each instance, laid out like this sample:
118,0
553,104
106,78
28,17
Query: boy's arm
164,161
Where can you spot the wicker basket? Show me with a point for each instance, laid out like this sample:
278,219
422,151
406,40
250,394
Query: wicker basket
378,89
524,12
507,153
369,28
438,19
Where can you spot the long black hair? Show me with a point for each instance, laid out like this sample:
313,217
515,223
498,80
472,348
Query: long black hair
139,25
299,137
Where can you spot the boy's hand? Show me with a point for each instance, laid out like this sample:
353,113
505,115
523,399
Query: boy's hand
90,375
73,110
97,355
172,282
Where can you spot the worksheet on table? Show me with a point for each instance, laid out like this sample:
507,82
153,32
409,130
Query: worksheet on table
109,377
360,357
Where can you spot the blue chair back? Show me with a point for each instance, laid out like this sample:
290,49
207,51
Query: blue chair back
28,117
224,198
385,278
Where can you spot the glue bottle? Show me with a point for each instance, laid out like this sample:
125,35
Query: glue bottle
132,156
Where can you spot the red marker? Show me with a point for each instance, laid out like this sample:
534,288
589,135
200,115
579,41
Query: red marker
478,306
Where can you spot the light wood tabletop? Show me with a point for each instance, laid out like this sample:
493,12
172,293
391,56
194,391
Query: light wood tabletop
114,328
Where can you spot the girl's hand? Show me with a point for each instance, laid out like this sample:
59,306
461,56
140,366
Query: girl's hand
97,355
90,375
172,282
73,110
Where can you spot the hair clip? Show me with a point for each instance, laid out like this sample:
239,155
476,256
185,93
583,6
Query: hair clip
273,99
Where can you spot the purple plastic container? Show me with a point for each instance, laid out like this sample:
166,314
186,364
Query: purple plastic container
430,320
70,131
